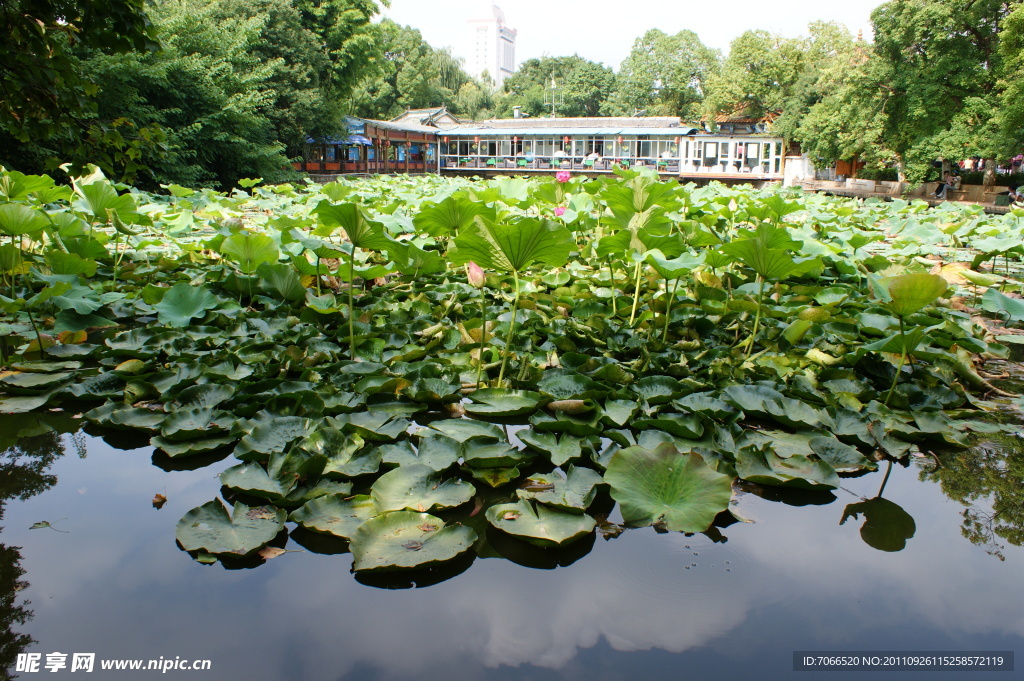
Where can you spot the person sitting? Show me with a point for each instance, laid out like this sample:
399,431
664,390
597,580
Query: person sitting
944,187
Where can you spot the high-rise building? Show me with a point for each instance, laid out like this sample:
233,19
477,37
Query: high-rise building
492,48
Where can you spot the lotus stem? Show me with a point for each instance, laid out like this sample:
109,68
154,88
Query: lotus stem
351,307
611,284
511,331
668,309
483,336
903,360
636,295
757,316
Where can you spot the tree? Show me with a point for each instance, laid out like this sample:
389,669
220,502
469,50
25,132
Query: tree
582,87
758,75
664,75
1010,111
41,89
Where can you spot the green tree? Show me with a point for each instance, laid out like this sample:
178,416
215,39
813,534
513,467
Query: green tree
581,85
758,76
664,75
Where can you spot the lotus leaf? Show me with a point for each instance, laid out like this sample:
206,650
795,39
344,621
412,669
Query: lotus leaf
416,487
667,488
559,449
183,302
335,514
502,403
512,246
538,524
437,452
402,539
461,430
574,493
210,529
912,292
252,479
249,250
489,452
768,468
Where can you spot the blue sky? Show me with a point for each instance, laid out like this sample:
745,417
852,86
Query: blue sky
604,31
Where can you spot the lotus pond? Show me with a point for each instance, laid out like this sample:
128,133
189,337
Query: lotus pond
341,392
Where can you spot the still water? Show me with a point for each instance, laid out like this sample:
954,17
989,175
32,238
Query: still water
927,573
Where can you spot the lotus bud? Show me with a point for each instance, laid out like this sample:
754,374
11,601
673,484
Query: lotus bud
559,211
563,175
475,275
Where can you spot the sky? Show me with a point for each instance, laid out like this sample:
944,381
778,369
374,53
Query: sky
604,31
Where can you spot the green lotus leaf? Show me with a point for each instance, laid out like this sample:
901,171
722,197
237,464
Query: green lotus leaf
114,415
461,430
559,450
489,452
272,436
619,412
887,527
363,233
60,262
658,389
580,425
402,539
568,385
250,478
707,404
335,514
432,391
207,395
209,528
194,424
574,493
249,250
34,383
283,280
21,405
768,468
687,426
16,186
912,292
307,492
437,452
667,488
420,488
182,302
18,220
373,426
99,196
450,216
177,449
346,454
841,457
538,524
512,246
503,403
998,303
495,477
674,268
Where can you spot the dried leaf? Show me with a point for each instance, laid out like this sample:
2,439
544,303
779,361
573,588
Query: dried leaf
158,501
268,552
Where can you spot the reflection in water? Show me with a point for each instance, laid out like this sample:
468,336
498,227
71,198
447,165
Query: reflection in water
29,444
988,480
887,527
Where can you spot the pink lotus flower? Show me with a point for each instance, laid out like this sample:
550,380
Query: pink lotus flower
559,211
475,275
563,175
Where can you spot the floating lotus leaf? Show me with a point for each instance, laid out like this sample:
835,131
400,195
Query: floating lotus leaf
570,386
538,524
183,302
842,458
432,391
373,426
687,426
305,493
767,468
418,488
461,430
434,451
580,425
619,412
344,454
195,424
33,383
335,514
176,449
495,477
574,493
252,479
210,529
21,405
272,436
488,452
707,404
998,303
665,487
402,539
559,449
136,418
205,395
503,403
658,389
